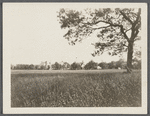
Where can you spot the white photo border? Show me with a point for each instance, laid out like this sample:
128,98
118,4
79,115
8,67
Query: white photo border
77,110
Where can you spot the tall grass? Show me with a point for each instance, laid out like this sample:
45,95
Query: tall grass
76,90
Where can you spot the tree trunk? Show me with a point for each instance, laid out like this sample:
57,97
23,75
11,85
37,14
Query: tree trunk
129,57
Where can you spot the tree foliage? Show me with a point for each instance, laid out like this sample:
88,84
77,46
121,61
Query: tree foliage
104,65
56,66
75,66
113,35
91,65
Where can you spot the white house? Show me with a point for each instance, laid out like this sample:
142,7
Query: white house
119,68
98,67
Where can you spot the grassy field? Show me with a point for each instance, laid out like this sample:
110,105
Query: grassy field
89,88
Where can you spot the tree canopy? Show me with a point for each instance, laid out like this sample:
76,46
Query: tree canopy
117,29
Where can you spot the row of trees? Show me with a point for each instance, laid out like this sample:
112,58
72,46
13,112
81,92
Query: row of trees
28,67
112,65
79,66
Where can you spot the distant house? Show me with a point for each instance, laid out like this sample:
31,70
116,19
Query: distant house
46,66
98,67
82,66
119,68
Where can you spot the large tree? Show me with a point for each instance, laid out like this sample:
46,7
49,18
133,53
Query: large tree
117,29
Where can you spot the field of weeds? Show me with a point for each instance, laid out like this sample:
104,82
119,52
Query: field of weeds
76,89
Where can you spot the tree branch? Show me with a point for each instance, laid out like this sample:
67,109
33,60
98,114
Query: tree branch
100,27
111,24
128,30
135,28
94,23
127,18
125,35
125,45
136,34
138,16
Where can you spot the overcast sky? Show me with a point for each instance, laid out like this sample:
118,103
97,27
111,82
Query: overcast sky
35,35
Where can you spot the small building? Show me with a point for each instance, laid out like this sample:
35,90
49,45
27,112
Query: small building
98,67
119,68
82,66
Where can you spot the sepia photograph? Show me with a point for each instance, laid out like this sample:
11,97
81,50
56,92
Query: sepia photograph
75,58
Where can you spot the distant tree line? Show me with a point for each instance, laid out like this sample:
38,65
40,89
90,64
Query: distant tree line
91,65
28,67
